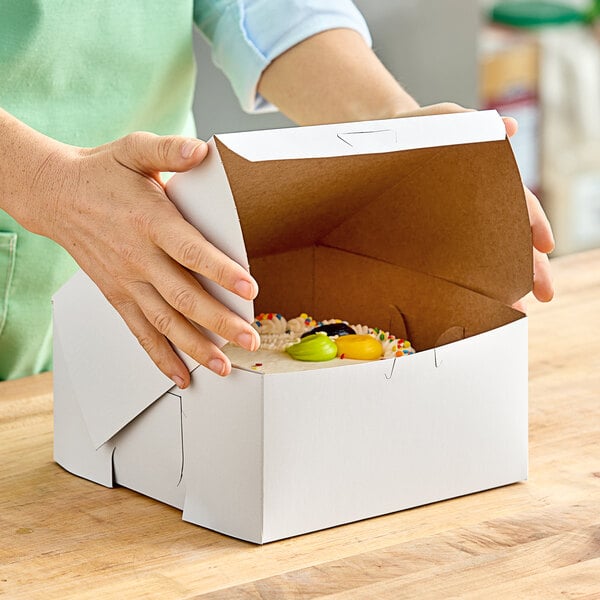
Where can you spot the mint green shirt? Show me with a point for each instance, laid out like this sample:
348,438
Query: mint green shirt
87,73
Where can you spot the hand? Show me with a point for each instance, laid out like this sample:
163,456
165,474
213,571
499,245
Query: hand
543,240
112,215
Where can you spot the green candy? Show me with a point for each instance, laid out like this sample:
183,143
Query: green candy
313,348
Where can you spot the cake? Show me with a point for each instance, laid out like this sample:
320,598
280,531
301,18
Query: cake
303,343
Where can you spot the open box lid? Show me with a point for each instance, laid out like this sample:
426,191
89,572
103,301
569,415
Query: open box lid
289,188
439,194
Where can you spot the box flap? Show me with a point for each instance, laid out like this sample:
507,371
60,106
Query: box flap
327,282
462,217
113,379
439,194
366,137
204,198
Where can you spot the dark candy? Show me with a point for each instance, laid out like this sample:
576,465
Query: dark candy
332,329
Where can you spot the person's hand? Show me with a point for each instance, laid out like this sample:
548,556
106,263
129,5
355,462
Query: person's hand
107,207
543,240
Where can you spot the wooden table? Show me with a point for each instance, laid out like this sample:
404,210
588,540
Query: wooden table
64,537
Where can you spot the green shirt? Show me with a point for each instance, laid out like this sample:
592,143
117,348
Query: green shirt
87,73
84,73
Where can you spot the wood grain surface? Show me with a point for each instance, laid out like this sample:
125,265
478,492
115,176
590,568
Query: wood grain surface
64,537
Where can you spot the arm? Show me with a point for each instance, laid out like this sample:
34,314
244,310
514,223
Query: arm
107,207
334,77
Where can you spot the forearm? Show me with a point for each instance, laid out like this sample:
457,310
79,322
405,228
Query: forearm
333,77
30,167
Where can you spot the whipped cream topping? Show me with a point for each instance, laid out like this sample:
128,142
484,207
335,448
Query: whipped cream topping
277,333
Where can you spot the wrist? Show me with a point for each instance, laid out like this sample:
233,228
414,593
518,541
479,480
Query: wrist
51,190
36,172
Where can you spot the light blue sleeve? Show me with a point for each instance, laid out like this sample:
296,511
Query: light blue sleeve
246,35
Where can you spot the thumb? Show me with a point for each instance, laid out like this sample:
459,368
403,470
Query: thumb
149,153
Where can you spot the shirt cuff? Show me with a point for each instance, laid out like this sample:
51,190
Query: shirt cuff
246,35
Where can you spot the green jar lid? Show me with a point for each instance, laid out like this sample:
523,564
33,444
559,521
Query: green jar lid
529,13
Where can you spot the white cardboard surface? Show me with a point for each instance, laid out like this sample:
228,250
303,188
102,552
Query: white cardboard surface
225,453
149,454
344,446
73,445
365,138
113,379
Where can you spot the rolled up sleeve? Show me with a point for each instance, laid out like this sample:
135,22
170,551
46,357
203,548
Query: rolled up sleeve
246,35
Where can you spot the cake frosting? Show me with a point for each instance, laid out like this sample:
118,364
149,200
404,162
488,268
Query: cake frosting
296,344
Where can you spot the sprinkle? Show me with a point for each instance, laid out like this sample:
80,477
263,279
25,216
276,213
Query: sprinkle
406,344
258,364
342,356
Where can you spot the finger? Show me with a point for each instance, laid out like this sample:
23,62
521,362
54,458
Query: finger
155,344
511,126
186,245
543,287
172,325
187,297
150,154
441,108
541,231
165,227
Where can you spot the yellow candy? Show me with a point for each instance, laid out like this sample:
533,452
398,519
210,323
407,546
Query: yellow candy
359,347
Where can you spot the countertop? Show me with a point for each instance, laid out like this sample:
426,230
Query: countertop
65,537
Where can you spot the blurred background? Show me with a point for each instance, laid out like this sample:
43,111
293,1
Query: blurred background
536,60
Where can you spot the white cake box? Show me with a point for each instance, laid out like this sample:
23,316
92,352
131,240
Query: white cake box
415,225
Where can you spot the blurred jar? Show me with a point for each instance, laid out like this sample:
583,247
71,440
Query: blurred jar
556,70
509,83
570,89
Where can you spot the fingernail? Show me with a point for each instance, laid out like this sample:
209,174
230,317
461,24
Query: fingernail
178,381
216,365
245,289
247,340
188,149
